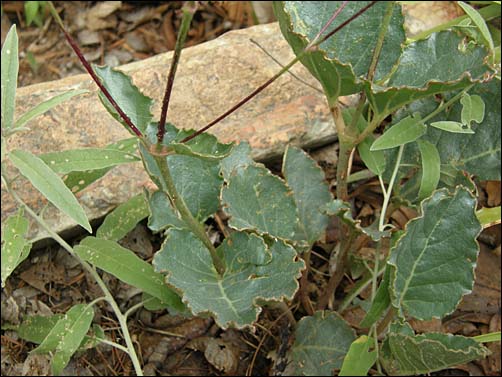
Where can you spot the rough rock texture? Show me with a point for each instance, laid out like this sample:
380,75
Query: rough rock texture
210,79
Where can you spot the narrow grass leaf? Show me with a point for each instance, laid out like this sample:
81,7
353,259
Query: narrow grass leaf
10,69
488,216
50,185
431,168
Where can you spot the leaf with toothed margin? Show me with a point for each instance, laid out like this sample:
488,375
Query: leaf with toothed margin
255,273
204,146
433,262
255,199
130,99
310,192
342,209
321,343
406,354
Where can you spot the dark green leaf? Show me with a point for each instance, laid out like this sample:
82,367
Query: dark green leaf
433,263
162,213
50,185
239,158
321,343
310,191
126,266
254,273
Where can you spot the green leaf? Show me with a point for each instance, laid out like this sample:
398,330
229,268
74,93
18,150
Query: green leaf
66,336
31,12
473,109
321,343
358,360
450,126
433,263
255,199
10,68
479,21
132,102
420,354
342,209
162,213
126,266
380,303
78,180
47,105
427,67
488,216
487,338
431,167
254,273
15,246
344,59
35,328
123,219
50,185
310,192
403,132
85,159
238,158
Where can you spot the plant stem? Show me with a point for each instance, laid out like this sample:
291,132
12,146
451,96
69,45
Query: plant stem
91,72
185,213
108,296
360,286
307,50
303,293
379,43
188,12
388,192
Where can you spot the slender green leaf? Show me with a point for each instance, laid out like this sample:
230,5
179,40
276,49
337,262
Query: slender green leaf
310,191
488,216
126,266
359,360
35,328
451,126
473,109
405,131
487,338
78,180
433,263
479,21
380,303
66,336
10,68
31,12
50,185
254,273
321,343
47,105
132,102
404,354
123,219
431,167
85,159
256,199
15,246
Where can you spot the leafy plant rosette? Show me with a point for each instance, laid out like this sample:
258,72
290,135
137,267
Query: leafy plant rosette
429,146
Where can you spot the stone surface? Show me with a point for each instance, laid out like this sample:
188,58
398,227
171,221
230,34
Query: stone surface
211,78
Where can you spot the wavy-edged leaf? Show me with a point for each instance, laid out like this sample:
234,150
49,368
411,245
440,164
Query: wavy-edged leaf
132,102
162,214
50,185
342,209
256,199
254,273
64,162
126,266
238,158
78,180
10,68
66,336
473,109
427,67
408,355
359,360
47,105
321,343
123,219
15,246
403,132
344,58
205,146
431,168
433,263
310,192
